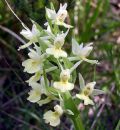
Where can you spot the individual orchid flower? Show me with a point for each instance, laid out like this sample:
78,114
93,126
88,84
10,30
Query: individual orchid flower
56,47
31,35
53,117
59,17
35,62
87,91
81,53
63,85
37,90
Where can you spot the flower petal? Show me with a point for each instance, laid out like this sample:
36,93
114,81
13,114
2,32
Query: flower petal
63,87
52,118
31,66
25,46
34,96
75,47
86,99
97,92
81,81
56,52
91,61
51,13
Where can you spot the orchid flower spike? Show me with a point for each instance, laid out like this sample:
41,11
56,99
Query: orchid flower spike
81,53
87,91
56,47
59,17
53,118
31,35
63,85
35,62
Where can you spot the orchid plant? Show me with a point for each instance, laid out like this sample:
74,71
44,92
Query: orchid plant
48,57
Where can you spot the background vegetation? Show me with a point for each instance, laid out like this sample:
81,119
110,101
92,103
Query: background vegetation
94,20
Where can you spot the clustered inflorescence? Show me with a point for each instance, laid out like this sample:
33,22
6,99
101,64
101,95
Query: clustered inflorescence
47,58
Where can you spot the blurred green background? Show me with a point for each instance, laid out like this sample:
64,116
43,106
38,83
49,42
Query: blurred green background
93,20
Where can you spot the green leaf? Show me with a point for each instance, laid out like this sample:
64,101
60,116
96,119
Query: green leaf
90,21
26,111
118,126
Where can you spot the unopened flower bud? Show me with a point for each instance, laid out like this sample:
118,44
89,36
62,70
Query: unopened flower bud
90,112
81,106
96,99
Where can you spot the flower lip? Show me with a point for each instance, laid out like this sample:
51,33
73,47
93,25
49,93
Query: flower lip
63,86
53,117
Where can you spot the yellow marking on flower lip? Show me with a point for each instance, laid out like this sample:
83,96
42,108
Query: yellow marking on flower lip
57,48
86,92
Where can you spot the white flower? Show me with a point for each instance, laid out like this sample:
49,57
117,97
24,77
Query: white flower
35,62
59,17
63,85
53,117
81,52
56,48
31,35
87,91
36,91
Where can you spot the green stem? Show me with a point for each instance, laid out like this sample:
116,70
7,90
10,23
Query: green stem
78,123
69,104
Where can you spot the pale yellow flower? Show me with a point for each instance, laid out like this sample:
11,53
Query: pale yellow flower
87,91
56,47
35,63
37,90
59,17
31,35
63,85
81,53
53,118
